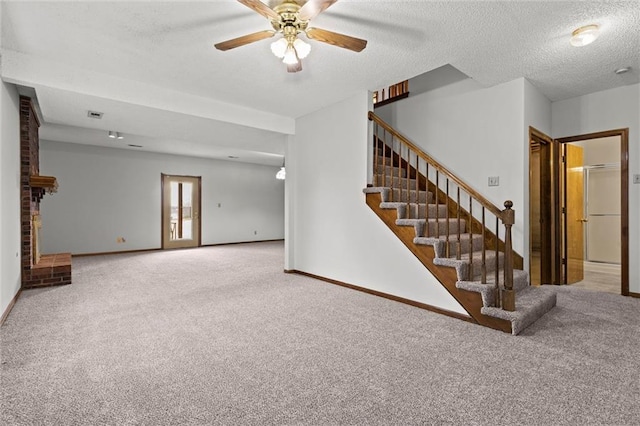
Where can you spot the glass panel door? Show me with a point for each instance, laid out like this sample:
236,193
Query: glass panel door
181,211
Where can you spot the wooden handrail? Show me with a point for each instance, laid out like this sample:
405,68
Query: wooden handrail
475,194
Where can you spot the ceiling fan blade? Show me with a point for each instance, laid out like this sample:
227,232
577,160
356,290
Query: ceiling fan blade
261,8
313,8
241,41
295,67
336,39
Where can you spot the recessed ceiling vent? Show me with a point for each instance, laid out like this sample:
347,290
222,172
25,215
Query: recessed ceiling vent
94,114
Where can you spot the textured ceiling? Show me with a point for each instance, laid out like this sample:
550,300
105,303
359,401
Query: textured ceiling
160,47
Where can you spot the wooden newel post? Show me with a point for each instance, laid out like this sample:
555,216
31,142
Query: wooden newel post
508,294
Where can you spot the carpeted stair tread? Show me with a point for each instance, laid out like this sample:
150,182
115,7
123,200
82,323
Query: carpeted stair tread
440,243
415,210
520,282
409,195
398,194
390,170
531,304
432,227
462,265
397,182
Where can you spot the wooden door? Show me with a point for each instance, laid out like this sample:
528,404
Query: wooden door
543,210
180,211
573,216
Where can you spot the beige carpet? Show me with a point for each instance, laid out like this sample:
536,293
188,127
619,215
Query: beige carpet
220,335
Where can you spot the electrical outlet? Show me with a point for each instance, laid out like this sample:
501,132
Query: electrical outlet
494,180
255,232
636,178
219,204
121,240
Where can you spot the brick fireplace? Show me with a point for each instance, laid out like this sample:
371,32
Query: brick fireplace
38,270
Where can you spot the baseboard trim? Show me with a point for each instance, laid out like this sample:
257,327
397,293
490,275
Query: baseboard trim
399,299
241,242
106,253
632,294
10,306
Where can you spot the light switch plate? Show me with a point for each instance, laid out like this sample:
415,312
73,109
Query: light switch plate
636,178
494,180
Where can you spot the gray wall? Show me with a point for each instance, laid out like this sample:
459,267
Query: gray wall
108,193
9,194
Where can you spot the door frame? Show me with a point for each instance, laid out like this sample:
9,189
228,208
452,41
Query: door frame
624,194
553,237
163,230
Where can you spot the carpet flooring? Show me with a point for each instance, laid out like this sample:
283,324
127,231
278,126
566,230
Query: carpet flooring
220,335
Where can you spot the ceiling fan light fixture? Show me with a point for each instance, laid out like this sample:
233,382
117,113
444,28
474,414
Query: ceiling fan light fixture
302,48
112,134
279,47
584,35
290,56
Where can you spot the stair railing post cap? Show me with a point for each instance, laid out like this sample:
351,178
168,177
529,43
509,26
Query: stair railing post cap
508,204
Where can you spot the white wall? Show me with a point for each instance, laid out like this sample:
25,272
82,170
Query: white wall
537,113
108,193
9,194
607,110
475,132
335,234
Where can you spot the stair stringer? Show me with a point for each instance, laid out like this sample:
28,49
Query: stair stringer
471,301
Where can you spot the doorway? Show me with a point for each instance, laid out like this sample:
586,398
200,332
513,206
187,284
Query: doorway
181,213
543,201
579,215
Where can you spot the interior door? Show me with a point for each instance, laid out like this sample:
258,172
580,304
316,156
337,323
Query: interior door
180,211
573,215
543,210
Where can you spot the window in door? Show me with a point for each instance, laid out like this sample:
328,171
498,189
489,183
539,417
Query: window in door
180,211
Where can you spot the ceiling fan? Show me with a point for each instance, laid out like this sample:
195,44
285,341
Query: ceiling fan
290,19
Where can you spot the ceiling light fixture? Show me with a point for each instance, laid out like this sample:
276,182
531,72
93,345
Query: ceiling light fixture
282,174
623,70
290,49
115,135
584,35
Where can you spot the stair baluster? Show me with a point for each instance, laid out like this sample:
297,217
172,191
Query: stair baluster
426,196
459,246
448,230
437,196
496,292
470,215
484,249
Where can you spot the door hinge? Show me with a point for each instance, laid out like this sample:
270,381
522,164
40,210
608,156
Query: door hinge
564,210
564,261
564,159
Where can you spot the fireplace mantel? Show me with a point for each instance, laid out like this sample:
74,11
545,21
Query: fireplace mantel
41,185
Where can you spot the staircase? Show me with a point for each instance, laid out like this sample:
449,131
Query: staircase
461,237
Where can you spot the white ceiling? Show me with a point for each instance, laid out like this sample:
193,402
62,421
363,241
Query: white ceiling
152,69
